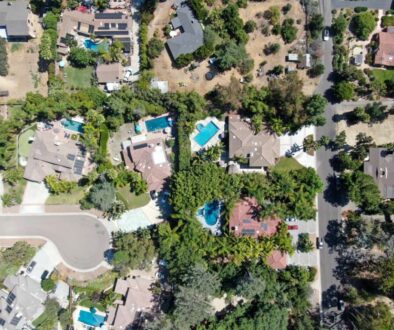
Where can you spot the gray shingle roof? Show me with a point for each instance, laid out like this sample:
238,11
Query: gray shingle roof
13,15
192,36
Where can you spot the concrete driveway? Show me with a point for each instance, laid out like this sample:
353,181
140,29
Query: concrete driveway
80,239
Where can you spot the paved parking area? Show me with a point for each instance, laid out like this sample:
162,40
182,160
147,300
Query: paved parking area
81,239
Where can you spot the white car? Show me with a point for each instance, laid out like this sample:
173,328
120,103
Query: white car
128,73
326,34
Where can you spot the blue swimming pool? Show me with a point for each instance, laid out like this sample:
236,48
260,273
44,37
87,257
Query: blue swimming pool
206,133
95,46
210,212
158,124
90,318
73,125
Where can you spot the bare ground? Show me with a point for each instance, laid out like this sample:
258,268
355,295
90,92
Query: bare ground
182,79
23,75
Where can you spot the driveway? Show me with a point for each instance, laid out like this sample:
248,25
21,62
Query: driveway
34,198
80,238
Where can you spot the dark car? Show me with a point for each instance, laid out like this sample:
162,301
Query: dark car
31,267
319,243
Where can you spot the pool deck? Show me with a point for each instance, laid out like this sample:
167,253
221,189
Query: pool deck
213,141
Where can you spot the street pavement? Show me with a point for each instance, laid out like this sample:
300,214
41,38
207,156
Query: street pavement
329,211
81,239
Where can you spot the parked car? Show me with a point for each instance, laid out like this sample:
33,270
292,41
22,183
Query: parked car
45,275
31,267
292,227
127,75
319,243
326,34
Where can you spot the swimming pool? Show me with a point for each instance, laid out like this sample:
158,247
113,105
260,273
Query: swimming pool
206,133
157,124
210,212
73,125
95,46
91,318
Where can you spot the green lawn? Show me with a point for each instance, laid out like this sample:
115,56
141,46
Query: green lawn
383,75
78,78
131,200
24,145
66,199
287,164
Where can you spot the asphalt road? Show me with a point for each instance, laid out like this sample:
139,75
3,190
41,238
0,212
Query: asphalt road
81,239
328,210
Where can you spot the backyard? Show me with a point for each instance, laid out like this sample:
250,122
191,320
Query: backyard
76,78
24,144
131,200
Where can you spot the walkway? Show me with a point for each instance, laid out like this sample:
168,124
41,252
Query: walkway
80,238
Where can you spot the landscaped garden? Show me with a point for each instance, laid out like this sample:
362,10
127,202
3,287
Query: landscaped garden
131,200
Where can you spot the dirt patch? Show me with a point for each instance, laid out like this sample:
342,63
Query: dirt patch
185,80
381,133
23,75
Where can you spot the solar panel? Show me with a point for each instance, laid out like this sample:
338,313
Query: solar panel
8,309
15,320
108,15
264,226
2,322
140,146
70,157
122,26
10,299
248,231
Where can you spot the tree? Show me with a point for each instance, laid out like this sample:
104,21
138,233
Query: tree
314,108
80,57
344,91
50,20
234,24
230,55
376,316
377,112
309,144
315,25
316,70
155,47
358,115
13,175
288,31
363,24
46,50
116,210
115,52
338,27
304,243
340,140
192,299
362,190
102,194
134,250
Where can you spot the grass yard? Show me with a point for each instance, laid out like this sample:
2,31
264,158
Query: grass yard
383,75
131,200
287,164
78,78
66,199
24,145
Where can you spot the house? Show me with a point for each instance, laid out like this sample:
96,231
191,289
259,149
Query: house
245,220
261,150
54,151
385,54
109,75
21,302
16,20
110,25
380,165
150,159
189,34
137,299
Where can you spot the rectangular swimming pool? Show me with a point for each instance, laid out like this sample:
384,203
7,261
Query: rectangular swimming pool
73,125
158,124
206,134
91,319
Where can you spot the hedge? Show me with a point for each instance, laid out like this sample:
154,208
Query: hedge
104,137
3,58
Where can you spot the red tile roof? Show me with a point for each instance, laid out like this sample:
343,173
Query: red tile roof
385,53
245,220
277,260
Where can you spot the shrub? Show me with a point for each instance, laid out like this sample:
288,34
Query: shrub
316,70
271,48
387,21
250,26
155,47
286,9
3,58
183,60
81,58
304,243
315,25
199,9
288,31
242,3
144,59
48,285
360,9
344,91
